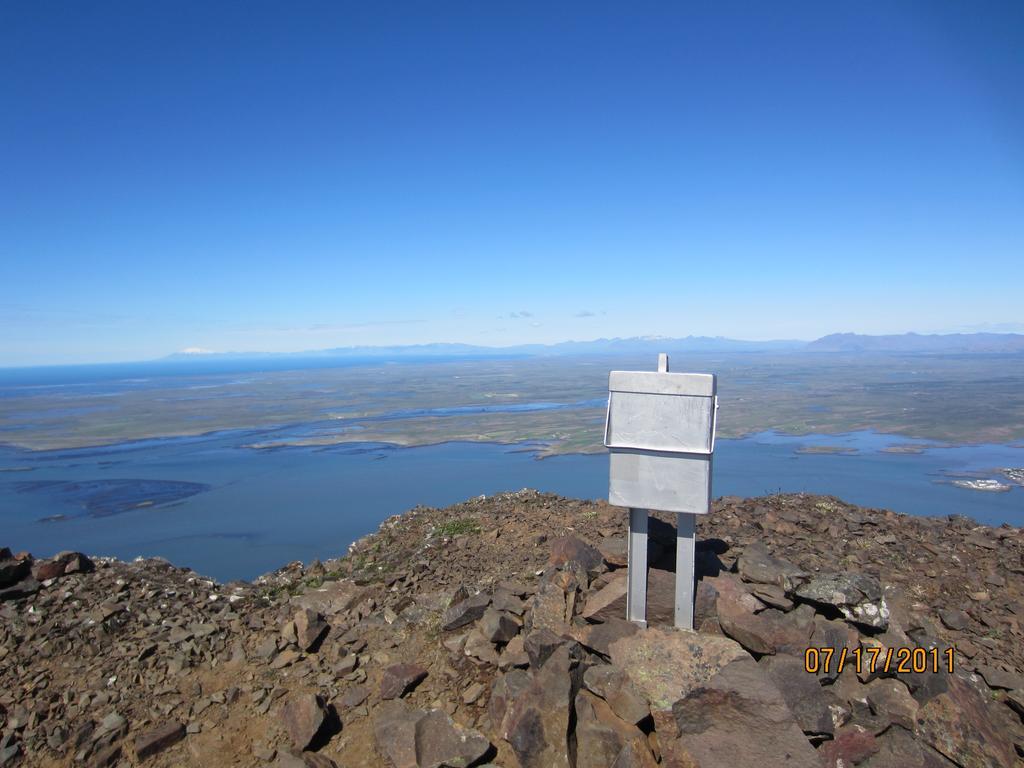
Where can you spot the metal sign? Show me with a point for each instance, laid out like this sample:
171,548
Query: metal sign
660,432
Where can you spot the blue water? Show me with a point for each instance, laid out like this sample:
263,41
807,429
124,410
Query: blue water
234,512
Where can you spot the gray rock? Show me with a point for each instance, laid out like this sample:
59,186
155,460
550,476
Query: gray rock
758,565
412,738
465,611
442,743
998,678
24,588
540,644
857,596
810,704
954,619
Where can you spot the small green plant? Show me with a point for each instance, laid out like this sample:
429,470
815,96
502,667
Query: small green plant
460,527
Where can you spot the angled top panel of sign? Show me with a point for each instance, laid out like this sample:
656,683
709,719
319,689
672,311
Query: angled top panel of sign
661,412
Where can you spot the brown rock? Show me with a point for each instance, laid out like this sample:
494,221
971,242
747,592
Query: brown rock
837,635
158,739
769,631
27,587
399,679
412,738
610,601
898,748
13,570
957,723
599,637
317,760
614,686
614,550
852,745
514,654
553,605
330,598
479,649
304,715
667,664
394,731
537,725
772,595
441,743
354,696
570,549
498,626
739,718
310,628
106,757
600,735
606,602
889,698
504,691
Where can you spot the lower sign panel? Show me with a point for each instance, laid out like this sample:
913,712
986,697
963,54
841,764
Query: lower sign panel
671,482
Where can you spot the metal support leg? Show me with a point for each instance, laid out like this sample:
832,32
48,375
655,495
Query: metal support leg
685,549
636,589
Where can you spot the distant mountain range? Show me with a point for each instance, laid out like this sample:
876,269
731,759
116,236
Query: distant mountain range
634,345
948,343
907,343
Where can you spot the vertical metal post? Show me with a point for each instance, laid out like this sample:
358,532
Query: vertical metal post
685,552
636,571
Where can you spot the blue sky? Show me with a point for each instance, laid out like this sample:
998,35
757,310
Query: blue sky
258,176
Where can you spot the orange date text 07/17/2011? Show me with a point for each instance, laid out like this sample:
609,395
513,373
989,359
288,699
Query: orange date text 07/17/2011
900,661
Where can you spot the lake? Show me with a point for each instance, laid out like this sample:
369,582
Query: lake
235,512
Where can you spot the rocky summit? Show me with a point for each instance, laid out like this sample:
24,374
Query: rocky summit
493,633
